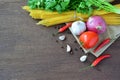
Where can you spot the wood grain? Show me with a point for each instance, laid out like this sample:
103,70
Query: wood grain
30,52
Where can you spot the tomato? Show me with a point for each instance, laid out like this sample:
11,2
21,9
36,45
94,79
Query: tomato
89,39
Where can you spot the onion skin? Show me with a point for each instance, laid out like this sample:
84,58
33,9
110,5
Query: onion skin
96,24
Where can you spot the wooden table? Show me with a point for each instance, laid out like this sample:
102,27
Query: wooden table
30,52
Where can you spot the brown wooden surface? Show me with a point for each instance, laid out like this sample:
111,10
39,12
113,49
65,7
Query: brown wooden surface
30,52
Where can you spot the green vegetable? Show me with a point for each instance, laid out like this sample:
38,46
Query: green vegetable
36,4
103,4
52,5
81,6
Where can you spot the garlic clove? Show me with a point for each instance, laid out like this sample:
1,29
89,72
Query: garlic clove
62,37
68,48
83,58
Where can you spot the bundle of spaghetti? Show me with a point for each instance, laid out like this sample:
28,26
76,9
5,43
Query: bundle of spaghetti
57,20
112,19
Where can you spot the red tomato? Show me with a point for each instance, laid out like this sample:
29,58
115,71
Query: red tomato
89,39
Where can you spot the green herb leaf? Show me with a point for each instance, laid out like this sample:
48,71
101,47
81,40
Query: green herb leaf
81,6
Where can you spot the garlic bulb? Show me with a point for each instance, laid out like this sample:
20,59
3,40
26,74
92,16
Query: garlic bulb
78,27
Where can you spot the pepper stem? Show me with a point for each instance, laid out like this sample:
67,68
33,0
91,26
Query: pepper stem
85,68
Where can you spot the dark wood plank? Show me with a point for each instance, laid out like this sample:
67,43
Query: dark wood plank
30,52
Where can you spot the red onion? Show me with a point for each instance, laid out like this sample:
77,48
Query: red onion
96,24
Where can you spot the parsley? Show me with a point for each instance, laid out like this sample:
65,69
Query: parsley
81,6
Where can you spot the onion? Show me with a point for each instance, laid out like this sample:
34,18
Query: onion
96,24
